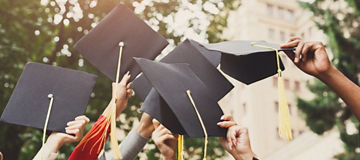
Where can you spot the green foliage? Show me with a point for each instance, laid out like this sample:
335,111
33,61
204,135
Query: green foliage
326,110
45,31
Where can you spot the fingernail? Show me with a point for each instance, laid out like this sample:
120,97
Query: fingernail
296,60
219,123
127,73
222,117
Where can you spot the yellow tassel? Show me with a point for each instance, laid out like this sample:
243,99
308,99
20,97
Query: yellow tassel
113,139
284,115
188,92
180,147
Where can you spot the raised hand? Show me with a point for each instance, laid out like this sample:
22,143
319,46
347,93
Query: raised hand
237,141
165,141
74,131
310,57
145,127
121,92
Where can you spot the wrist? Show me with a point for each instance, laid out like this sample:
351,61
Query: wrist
54,143
168,157
145,129
328,74
244,156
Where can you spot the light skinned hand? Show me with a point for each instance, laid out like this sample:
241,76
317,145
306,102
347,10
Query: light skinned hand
74,131
145,127
121,92
165,141
310,57
237,141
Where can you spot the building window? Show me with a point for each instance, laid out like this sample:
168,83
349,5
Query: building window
291,16
292,34
290,108
301,132
276,106
244,108
282,36
271,33
281,12
269,9
275,81
297,86
310,31
287,83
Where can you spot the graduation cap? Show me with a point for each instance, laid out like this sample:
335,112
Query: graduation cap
47,97
248,61
202,62
120,36
190,106
251,61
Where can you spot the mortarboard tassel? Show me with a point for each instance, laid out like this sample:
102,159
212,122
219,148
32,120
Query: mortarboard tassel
51,96
180,147
108,120
188,92
100,131
284,115
113,139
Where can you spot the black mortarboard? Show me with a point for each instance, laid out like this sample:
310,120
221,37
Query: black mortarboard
201,61
101,46
172,88
247,61
29,102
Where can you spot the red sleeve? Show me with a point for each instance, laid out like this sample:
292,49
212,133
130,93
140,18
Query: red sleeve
89,146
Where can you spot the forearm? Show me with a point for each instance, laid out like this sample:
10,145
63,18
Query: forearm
348,91
132,145
49,150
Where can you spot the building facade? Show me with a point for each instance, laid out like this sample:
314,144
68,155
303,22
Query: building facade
256,106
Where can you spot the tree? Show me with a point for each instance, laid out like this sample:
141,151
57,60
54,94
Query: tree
45,31
340,22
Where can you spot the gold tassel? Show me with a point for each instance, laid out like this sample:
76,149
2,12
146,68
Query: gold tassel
113,139
180,147
51,96
284,115
188,92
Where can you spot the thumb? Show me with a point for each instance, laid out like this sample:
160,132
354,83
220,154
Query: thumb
124,81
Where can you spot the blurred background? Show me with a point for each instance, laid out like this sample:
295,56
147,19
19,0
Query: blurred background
323,127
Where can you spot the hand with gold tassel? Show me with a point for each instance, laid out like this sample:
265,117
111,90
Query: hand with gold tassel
93,143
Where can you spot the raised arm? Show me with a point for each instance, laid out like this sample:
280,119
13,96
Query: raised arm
311,57
56,140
